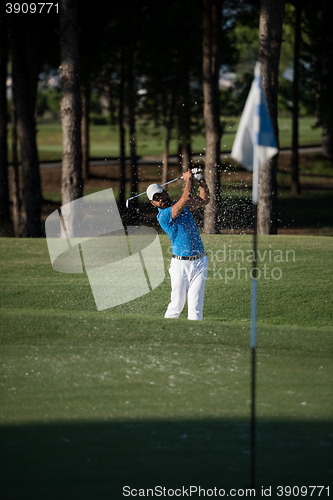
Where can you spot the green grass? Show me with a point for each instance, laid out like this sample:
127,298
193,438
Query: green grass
312,211
315,163
308,135
93,401
104,139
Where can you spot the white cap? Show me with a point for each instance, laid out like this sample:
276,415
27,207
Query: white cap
153,189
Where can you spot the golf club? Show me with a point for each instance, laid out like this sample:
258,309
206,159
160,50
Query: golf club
174,180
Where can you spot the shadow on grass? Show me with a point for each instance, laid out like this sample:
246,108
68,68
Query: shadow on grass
96,460
312,209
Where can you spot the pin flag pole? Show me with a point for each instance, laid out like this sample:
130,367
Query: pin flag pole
253,346
255,183
254,144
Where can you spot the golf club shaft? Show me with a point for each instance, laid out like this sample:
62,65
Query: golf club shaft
173,180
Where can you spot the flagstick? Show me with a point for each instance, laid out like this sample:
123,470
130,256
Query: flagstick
254,314
255,124
253,349
255,195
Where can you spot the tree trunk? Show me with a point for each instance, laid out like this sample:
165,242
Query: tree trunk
184,115
113,106
317,101
105,100
71,106
327,81
295,184
122,132
15,173
169,122
186,152
25,69
85,97
4,190
270,39
131,92
165,168
211,66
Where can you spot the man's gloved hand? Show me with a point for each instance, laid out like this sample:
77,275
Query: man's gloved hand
197,173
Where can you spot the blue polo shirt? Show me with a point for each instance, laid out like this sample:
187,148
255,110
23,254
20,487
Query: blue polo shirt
182,231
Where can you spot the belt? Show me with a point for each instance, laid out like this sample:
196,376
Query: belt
191,257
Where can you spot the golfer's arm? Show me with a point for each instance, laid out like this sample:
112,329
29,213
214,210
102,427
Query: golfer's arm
178,207
202,199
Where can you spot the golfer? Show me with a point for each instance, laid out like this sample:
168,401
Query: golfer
189,263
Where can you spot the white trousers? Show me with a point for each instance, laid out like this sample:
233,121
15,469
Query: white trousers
188,279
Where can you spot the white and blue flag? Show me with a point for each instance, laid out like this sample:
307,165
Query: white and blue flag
255,140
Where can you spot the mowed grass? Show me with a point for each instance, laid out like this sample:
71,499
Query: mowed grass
104,139
93,401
